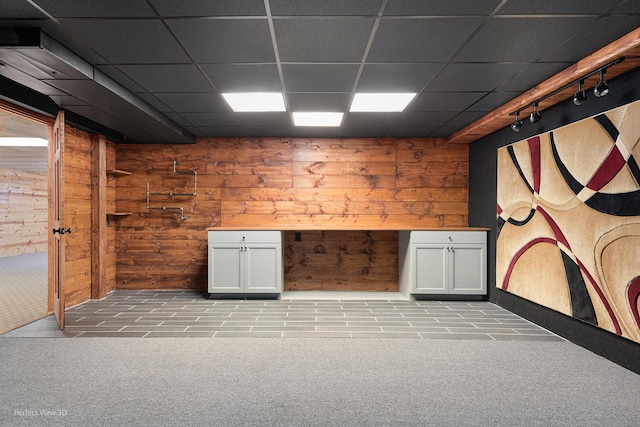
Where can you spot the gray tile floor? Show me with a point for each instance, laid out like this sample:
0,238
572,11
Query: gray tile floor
148,314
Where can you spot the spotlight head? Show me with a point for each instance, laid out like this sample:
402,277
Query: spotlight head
601,88
580,97
535,116
517,125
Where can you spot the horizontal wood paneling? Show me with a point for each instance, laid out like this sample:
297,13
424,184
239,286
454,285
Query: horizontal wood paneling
341,260
310,184
344,168
346,221
341,150
27,159
23,212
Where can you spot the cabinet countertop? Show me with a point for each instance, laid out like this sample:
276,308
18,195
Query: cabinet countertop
382,228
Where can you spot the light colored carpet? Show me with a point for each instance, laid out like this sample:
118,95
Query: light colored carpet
310,382
23,289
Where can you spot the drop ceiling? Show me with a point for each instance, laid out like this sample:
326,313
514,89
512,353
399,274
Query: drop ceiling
463,58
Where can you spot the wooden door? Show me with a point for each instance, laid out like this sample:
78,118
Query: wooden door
56,147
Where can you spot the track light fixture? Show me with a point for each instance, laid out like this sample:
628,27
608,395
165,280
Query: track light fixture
581,96
601,88
517,124
535,116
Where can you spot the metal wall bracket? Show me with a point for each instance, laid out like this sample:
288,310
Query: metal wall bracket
171,194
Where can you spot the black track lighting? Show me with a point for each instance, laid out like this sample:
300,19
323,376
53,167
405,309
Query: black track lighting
581,96
517,125
535,116
601,88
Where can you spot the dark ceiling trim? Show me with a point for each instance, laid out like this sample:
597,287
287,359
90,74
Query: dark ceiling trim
27,98
89,126
42,62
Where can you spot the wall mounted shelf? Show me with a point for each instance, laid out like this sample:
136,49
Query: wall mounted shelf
117,172
112,174
116,216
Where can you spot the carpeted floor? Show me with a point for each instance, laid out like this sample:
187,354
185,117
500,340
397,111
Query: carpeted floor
514,377
23,289
310,382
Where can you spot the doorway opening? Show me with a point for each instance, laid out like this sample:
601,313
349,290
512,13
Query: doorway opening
24,290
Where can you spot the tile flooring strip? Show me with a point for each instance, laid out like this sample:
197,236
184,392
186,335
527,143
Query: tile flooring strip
157,314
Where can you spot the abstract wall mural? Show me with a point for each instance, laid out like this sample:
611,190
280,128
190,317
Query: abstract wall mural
568,213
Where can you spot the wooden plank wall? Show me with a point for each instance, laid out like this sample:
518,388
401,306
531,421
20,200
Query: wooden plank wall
23,212
110,258
310,184
341,260
77,216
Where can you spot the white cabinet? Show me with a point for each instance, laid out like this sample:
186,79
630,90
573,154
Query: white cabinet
443,262
247,262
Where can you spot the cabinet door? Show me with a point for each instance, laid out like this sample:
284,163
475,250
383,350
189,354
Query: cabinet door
430,269
225,268
468,274
263,268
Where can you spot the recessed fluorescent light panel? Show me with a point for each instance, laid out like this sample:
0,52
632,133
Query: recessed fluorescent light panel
23,142
317,119
255,101
381,102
